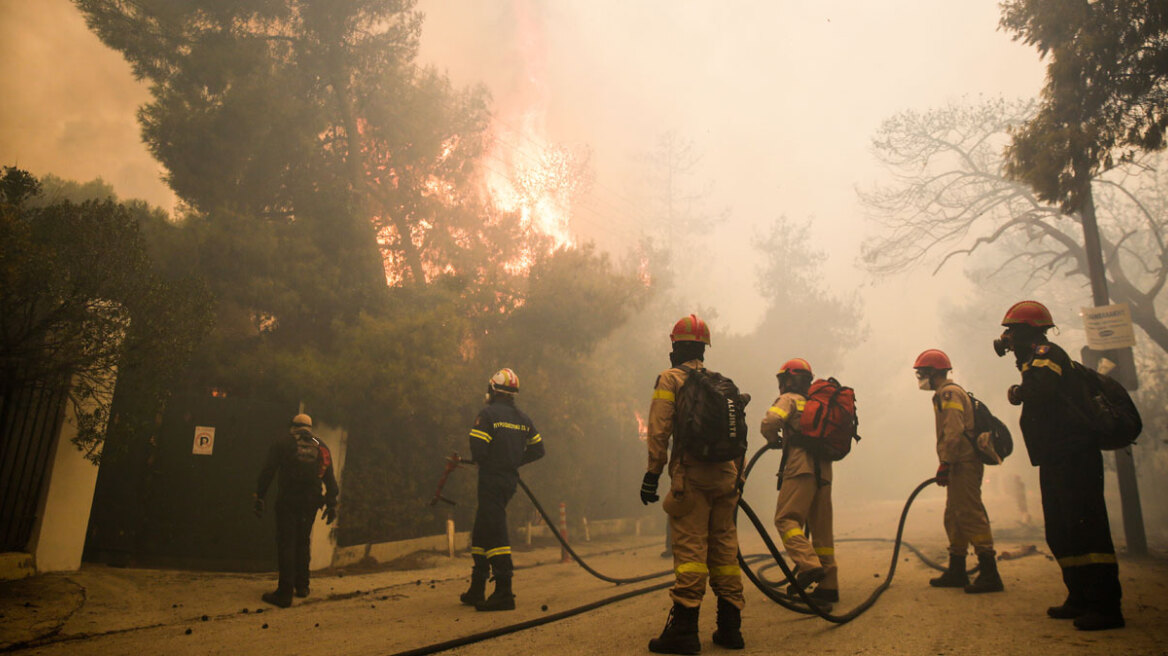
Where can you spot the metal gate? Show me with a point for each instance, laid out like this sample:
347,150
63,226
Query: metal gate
172,507
30,420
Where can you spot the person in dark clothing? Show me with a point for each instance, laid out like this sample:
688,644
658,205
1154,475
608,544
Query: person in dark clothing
1055,429
503,439
303,464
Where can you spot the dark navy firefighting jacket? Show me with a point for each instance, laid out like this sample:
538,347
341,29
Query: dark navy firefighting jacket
503,438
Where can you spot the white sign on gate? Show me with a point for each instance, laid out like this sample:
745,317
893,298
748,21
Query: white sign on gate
1109,327
204,440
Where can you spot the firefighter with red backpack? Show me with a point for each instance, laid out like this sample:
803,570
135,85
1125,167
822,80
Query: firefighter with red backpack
960,472
304,464
804,504
705,482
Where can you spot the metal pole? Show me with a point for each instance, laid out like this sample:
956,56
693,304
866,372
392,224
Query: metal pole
564,557
1125,466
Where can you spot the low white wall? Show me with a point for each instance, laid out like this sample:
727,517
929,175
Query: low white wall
324,538
384,552
58,538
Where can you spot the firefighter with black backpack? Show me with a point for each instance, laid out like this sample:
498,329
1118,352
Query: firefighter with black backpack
1060,441
804,502
304,464
704,414
960,472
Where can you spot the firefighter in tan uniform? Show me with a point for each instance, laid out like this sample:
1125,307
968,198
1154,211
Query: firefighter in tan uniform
701,504
804,504
960,472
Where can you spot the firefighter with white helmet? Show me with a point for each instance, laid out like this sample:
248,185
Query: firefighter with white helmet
960,472
1070,468
502,439
701,503
804,503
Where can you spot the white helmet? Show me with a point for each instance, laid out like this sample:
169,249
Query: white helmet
504,382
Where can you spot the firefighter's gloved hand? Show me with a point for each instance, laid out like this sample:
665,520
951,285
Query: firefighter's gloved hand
258,507
1014,395
329,514
649,488
943,474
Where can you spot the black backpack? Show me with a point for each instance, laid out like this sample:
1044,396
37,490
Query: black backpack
1111,414
309,457
710,417
984,421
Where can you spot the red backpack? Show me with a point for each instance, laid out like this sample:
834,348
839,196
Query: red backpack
829,420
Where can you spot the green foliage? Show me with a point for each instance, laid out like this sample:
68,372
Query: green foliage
81,300
1106,93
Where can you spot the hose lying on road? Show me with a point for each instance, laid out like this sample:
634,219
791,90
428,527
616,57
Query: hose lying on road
520,626
571,552
768,588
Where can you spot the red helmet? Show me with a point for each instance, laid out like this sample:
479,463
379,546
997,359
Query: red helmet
1030,313
690,329
504,382
933,359
795,366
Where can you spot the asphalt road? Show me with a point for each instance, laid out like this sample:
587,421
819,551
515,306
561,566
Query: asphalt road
102,610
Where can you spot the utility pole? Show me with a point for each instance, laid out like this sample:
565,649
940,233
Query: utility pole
1125,465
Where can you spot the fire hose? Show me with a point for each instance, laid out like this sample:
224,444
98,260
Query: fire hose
766,587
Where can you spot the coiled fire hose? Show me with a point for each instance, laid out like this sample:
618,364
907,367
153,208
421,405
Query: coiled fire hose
764,586
768,588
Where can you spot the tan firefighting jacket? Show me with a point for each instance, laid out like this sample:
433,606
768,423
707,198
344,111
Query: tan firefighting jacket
783,416
954,414
661,418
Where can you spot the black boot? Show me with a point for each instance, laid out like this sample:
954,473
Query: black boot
954,577
277,598
681,632
729,633
1069,610
476,593
1096,620
988,579
501,598
822,598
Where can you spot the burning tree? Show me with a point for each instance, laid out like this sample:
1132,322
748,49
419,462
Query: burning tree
338,204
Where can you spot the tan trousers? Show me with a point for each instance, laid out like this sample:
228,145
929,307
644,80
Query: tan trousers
966,521
805,507
701,504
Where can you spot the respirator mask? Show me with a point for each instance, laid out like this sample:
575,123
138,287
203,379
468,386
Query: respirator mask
924,379
1004,344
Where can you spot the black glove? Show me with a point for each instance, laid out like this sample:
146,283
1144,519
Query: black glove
1014,395
258,507
649,488
943,474
329,514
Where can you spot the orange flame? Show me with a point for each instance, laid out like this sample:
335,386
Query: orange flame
642,427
